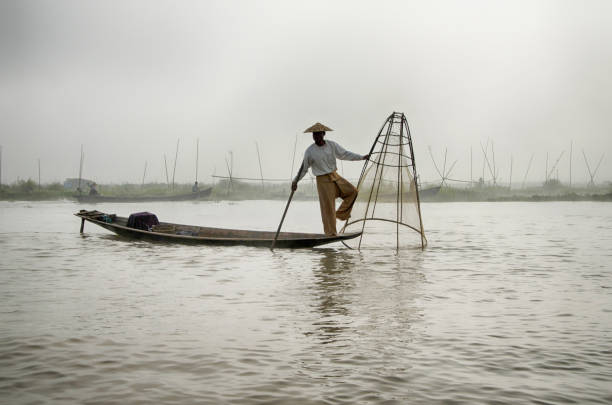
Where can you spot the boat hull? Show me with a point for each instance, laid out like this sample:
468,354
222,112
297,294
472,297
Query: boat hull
218,236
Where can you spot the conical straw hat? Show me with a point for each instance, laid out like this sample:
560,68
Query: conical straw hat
318,127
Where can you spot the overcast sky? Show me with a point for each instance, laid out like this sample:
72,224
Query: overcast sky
126,79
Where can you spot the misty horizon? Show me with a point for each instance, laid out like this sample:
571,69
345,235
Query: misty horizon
128,80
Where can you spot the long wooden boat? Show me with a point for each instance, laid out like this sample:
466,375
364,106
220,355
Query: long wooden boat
178,233
177,197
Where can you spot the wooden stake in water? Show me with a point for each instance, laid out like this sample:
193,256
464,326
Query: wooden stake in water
570,164
527,171
485,160
549,175
144,174
260,170
471,174
197,157
588,168
175,159
229,170
510,180
440,173
491,171
594,172
166,165
81,170
494,167
444,166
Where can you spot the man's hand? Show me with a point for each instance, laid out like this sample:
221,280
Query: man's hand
366,157
293,186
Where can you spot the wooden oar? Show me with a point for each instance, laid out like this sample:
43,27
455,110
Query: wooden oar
282,220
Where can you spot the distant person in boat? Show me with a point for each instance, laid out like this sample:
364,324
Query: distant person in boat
195,187
321,158
92,189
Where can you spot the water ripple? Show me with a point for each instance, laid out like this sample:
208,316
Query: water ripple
508,305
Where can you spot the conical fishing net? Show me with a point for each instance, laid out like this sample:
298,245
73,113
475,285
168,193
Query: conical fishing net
387,208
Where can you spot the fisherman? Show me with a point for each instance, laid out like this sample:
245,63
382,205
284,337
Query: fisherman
92,189
321,157
195,188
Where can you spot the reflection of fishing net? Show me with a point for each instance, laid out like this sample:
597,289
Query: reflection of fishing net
387,208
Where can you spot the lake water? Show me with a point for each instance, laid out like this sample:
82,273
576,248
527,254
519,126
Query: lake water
511,303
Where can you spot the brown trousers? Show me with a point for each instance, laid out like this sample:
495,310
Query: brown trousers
331,186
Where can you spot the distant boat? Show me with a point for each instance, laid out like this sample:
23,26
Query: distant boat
86,198
429,192
74,183
177,233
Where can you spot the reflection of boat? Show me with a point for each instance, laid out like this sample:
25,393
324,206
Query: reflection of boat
429,192
177,233
176,197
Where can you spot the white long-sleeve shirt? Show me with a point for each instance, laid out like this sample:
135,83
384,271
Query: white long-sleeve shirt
322,159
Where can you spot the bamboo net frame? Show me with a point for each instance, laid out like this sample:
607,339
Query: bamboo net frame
389,177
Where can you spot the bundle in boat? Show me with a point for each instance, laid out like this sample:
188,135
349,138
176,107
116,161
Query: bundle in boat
387,210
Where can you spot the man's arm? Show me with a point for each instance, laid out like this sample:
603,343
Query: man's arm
344,154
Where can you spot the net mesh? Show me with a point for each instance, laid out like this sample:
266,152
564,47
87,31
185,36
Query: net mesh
387,207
